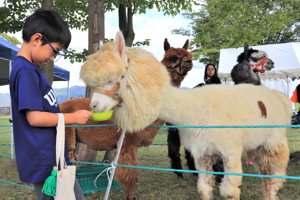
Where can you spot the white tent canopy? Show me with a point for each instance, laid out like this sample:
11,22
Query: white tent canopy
286,57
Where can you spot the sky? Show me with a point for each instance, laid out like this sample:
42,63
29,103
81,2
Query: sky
153,25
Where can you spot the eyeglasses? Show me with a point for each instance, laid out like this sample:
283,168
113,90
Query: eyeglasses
55,53
210,69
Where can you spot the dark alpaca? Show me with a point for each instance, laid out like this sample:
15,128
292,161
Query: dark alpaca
174,149
177,60
250,63
177,73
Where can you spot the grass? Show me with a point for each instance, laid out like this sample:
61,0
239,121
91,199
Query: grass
153,184
297,106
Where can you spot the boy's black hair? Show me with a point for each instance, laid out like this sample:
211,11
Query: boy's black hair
50,24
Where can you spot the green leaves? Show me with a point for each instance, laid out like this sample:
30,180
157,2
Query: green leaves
13,14
230,23
75,12
146,42
10,39
74,56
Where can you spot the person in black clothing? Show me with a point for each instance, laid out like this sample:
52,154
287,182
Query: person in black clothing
210,75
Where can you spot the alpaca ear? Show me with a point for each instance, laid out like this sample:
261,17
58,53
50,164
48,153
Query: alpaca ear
186,45
246,46
120,47
246,51
166,45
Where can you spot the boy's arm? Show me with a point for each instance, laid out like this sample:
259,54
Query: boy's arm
46,119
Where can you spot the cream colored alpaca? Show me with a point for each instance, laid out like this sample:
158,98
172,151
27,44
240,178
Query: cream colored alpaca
147,94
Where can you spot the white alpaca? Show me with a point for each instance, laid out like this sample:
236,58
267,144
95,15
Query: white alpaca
147,94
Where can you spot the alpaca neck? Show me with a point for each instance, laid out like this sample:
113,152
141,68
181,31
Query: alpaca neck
176,80
177,104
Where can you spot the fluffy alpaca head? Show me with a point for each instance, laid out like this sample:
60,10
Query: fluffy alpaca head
178,62
143,81
98,70
256,58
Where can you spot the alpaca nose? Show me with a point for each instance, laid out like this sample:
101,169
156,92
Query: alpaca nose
187,59
93,105
188,64
271,62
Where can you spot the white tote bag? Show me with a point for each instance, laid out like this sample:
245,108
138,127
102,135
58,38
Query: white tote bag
66,174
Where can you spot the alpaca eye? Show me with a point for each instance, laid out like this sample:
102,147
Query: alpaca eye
109,82
174,58
254,59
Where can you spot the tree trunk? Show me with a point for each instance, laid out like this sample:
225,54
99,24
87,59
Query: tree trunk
96,30
126,27
95,34
126,23
48,69
122,20
130,33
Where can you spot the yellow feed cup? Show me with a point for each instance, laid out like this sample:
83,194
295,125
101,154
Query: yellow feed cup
102,116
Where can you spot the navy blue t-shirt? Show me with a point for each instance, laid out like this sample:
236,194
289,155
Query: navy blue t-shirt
34,146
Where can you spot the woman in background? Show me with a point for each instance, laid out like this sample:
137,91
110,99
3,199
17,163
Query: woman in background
210,75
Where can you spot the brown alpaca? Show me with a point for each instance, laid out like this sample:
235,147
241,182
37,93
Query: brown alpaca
178,61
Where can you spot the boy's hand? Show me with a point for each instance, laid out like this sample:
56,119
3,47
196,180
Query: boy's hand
46,119
81,116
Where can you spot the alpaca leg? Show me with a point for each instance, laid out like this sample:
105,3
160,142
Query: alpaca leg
109,156
271,162
190,161
229,187
71,142
127,177
173,149
205,181
218,167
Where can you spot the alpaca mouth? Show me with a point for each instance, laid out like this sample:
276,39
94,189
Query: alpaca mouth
188,68
268,68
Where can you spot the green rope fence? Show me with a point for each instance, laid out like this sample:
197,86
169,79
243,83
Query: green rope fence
174,170
192,171
160,126
16,184
188,171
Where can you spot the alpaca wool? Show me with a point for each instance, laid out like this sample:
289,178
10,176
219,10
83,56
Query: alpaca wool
107,137
101,67
147,94
98,68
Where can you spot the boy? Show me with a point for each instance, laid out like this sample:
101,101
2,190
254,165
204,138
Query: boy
34,105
